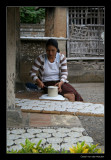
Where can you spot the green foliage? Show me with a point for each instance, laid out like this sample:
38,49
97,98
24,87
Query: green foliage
12,151
28,147
93,149
85,148
30,15
80,148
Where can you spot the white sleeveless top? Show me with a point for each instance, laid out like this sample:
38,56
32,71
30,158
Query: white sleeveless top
51,71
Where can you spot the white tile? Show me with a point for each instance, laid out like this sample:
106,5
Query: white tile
48,130
70,139
54,140
10,142
36,140
63,130
43,135
54,145
74,134
59,134
13,136
27,135
87,139
18,141
17,131
15,147
34,130
66,146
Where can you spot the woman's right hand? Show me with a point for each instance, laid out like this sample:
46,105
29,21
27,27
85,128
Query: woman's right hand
40,83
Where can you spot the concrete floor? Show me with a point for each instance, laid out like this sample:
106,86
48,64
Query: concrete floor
90,92
94,126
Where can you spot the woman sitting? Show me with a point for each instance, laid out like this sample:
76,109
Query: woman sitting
52,71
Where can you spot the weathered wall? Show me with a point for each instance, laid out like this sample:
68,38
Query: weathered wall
30,30
29,51
11,56
86,71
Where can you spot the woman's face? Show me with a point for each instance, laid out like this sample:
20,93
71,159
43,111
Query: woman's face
51,51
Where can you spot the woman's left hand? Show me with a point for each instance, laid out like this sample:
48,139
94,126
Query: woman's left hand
59,84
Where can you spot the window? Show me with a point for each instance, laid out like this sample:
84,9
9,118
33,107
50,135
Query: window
86,15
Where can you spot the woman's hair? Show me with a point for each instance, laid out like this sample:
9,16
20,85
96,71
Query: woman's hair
52,42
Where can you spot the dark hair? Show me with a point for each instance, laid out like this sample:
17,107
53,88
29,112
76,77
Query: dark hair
52,42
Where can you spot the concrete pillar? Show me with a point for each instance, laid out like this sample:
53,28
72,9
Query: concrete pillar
60,22
49,22
56,22
11,56
18,44
56,25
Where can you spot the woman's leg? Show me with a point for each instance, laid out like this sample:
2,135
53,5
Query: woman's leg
71,97
69,92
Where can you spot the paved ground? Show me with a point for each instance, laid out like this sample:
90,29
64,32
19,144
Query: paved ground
94,126
91,92
57,136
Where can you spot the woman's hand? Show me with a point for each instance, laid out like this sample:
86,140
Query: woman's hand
40,83
59,84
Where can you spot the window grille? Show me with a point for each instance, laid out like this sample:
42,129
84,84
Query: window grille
86,15
86,24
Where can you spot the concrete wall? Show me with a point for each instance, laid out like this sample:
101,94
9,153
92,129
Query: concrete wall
86,71
29,51
11,56
30,30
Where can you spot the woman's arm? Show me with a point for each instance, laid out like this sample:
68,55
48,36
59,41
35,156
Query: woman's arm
38,62
34,69
64,71
59,84
40,83
33,72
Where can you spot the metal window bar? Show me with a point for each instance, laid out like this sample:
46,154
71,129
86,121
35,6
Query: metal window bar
84,31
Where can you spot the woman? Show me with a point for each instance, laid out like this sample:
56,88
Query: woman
52,71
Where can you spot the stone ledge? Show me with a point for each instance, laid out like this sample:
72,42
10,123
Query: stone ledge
42,38
84,58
